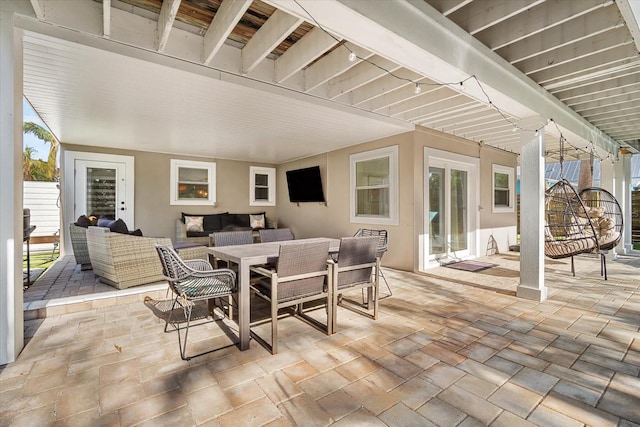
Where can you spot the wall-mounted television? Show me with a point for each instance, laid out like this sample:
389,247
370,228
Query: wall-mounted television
305,185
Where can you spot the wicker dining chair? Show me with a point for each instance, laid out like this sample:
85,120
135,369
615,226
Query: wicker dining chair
231,238
301,275
383,245
354,269
275,235
192,282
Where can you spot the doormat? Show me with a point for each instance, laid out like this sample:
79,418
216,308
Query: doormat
470,265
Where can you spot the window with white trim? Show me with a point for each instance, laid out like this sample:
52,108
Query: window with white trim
374,186
262,183
503,179
192,183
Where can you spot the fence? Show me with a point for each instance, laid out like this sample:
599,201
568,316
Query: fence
42,198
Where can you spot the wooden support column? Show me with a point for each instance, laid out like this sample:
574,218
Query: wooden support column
532,186
11,299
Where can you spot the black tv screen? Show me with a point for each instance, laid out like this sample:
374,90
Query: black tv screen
305,185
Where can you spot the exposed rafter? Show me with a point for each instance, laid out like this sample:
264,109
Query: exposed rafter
332,65
223,22
276,29
37,9
106,18
165,21
315,43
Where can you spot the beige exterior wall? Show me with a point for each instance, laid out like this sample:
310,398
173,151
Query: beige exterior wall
154,215
333,220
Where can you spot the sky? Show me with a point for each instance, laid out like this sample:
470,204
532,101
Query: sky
41,148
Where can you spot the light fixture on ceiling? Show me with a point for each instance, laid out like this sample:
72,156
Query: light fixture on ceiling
352,57
418,89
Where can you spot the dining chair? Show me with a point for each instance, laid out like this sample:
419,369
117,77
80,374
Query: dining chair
383,244
301,275
275,235
192,282
354,269
230,238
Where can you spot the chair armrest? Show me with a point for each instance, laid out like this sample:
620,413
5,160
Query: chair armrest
198,264
262,271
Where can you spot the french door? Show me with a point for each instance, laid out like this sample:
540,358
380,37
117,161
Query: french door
102,185
450,199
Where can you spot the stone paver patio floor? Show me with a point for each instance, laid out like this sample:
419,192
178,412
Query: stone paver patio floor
450,348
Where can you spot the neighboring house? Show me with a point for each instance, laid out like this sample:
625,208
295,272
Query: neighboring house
43,200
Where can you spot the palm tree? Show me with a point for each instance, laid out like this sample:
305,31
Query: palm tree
46,136
27,163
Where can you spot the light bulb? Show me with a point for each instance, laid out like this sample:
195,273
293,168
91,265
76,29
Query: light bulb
418,88
536,132
462,86
352,57
515,128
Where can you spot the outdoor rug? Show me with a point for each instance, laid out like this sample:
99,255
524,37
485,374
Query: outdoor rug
470,265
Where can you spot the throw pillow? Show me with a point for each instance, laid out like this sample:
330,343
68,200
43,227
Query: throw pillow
193,223
83,221
119,226
257,221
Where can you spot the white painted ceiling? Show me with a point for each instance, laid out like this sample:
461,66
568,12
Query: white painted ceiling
100,74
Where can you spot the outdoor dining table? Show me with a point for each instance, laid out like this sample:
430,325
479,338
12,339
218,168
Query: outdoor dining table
246,256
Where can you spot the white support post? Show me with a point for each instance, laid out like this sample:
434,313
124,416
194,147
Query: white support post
608,181
532,186
11,300
624,198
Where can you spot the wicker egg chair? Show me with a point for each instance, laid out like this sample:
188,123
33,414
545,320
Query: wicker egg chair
568,230
605,215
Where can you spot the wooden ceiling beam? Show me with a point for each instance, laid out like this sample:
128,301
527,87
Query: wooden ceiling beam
423,99
459,117
534,21
332,65
586,66
482,15
454,102
37,9
360,75
310,47
600,85
386,84
580,49
167,16
106,18
447,7
223,22
267,38
581,27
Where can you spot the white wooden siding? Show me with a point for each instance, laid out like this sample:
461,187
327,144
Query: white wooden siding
42,198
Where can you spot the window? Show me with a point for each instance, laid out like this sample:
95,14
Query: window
193,183
374,186
503,189
262,191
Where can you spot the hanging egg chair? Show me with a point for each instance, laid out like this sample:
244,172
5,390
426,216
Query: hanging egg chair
605,214
568,230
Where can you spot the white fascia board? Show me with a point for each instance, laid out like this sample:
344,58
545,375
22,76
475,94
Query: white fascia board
416,36
630,11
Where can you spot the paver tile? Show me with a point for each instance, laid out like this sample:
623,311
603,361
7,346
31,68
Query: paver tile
441,413
515,399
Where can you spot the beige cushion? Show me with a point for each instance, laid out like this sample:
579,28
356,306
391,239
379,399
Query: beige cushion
193,223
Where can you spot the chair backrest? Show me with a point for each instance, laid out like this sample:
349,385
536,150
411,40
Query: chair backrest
230,238
383,239
275,234
356,251
173,268
302,258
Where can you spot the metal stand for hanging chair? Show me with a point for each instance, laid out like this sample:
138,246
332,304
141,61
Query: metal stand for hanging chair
568,230
605,215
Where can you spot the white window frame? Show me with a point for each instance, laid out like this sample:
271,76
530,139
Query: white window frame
211,173
271,177
392,154
512,188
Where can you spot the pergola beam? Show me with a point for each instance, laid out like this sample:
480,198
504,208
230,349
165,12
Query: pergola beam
106,18
315,43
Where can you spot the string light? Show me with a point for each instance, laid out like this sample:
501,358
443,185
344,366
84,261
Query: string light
460,86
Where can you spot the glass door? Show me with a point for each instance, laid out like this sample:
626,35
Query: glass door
448,216
101,190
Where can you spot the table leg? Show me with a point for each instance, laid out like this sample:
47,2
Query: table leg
244,308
